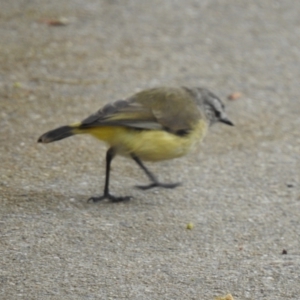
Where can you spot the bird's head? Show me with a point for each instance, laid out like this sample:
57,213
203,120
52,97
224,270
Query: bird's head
214,108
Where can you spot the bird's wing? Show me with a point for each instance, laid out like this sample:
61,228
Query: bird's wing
126,113
171,109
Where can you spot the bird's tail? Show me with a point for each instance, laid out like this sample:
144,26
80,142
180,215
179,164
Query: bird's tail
58,134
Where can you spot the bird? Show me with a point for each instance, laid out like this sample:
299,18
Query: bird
155,124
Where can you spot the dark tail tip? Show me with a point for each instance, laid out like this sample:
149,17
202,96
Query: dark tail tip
56,134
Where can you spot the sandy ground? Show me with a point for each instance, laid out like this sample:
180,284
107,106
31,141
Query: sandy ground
241,188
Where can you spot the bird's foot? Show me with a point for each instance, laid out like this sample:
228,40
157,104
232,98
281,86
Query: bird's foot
158,184
110,198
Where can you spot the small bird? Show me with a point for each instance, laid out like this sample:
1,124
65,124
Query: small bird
152,125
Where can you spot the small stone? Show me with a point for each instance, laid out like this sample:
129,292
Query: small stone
189,226
234,96
227,297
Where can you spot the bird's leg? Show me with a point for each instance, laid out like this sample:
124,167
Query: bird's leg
110,154
155,182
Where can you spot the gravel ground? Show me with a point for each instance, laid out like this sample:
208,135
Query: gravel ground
241,187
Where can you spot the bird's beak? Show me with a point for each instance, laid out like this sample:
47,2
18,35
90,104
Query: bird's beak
225,120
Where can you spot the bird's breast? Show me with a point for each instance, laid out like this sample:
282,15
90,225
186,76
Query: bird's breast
150,145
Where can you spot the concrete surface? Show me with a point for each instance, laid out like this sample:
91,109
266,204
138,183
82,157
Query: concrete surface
241,188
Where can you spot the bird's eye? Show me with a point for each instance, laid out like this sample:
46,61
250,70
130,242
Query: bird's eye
182,132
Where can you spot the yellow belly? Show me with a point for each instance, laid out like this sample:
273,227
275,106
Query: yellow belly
148,145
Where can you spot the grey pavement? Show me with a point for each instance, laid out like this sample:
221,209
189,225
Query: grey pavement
241,188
